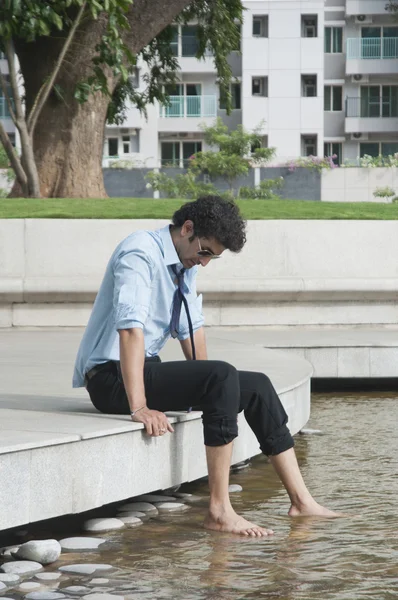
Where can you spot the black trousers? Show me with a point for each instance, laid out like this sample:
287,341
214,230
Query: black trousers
214,387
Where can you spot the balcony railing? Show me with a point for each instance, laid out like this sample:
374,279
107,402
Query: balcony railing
190,106
372,48
373,108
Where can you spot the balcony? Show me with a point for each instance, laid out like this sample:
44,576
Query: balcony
186,49
186,113
372,55
377,115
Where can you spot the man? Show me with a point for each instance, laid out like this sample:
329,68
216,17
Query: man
149,276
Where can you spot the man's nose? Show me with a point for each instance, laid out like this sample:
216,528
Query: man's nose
204,260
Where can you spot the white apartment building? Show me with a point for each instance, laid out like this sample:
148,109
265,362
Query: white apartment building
4,112
321,77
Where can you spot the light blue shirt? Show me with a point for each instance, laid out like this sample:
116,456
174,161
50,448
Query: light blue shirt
137,291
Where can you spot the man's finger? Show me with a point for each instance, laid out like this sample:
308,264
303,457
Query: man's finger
169,427
149,428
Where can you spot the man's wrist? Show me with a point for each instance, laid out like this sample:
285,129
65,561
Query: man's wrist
134,411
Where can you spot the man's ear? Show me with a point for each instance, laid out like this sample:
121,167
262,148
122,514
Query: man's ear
187,229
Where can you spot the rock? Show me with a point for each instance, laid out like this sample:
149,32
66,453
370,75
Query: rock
9,578
234,487
171,507
85,568
21,567
9,551
155,498
79,544
29,586
47,576
2,586
100,596
43,595
134,513
76,590
144,507
131,521
103,524
41,551
99,581
311,432
190,498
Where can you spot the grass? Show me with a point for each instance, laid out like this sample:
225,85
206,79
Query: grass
148,208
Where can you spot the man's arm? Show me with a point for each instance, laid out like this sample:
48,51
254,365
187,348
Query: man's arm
200,345
132,358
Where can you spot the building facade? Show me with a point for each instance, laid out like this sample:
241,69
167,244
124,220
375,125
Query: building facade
320,77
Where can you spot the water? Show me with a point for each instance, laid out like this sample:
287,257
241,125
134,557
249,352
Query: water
351,468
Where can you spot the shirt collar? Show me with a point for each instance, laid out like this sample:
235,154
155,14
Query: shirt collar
170,253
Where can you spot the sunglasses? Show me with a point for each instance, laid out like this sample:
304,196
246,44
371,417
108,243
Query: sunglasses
206,253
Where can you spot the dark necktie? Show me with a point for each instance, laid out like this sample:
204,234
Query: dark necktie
179,300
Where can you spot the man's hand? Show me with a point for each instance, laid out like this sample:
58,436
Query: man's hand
156,423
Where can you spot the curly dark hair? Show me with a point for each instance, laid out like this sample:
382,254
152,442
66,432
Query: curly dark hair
214,217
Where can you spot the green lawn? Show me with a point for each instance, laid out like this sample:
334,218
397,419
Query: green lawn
141,208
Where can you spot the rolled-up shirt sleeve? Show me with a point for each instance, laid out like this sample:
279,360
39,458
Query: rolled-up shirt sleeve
134,272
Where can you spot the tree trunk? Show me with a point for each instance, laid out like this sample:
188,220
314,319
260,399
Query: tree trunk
69,137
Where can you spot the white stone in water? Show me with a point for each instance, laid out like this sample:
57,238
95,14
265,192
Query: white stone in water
145,507
234,487
21,567
43,595
9,578
29,586
311,432
85,568
171,506
155,498
48,576
41,551
134,513
2,586
77,544
187,497
103,524
131,521
9,551
99,581
76,590
100,596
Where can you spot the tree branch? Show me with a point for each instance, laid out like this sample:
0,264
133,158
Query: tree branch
48,85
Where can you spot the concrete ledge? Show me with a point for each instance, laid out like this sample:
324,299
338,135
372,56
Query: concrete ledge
58,455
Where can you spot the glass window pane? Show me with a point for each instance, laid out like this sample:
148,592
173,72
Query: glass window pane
113,146
328,39
390,32
256,27
337,153
235,89
388,148
337,97
327,102
189,40
170,153
369,148
337,39
174,40
371,32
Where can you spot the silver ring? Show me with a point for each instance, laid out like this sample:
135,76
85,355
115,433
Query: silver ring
162,430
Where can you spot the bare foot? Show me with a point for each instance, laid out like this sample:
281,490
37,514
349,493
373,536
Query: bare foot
230,522
312,509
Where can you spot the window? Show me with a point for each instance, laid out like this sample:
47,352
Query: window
126,144
309,145
170,154
235,97
135,78
334,149
379,101
308,86
189,40
309,26
238,42
333,98
369,148
262,142
174,41
389,101
135,140
333,40
113,146
188,149
260,86
260,26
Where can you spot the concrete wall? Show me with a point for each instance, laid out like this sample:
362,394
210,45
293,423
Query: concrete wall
289,273
357,184
301,184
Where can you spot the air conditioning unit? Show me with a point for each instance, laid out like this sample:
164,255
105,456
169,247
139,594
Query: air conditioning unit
361,19
359,136
360,78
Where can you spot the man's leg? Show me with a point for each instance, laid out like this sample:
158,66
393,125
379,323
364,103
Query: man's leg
268,420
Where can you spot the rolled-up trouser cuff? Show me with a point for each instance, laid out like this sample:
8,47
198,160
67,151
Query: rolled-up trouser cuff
280,441
220,432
